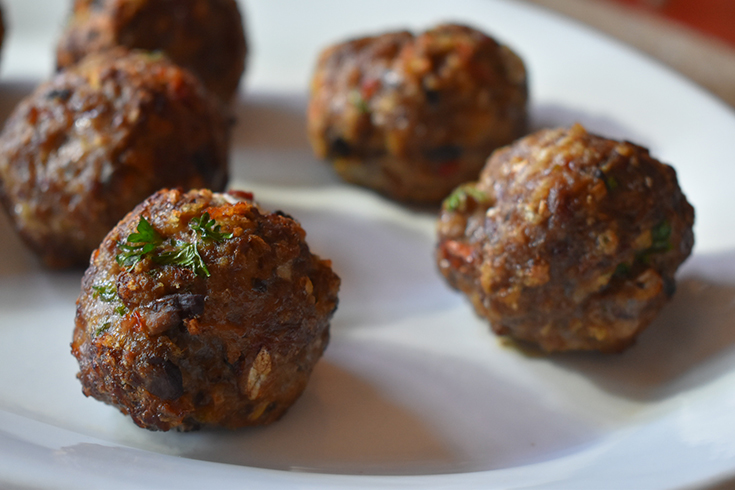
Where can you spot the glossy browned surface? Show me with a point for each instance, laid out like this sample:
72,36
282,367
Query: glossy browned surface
204,36
414,116
563,241
232,349
89,145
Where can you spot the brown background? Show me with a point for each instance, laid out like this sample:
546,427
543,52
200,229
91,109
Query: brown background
694,37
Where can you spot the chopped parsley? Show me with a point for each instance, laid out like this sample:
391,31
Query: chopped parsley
184,254
622,270
139,244
611,183
661,237
155,55
208,229
105,327
147,242
357,100
457,200
107,293
660,242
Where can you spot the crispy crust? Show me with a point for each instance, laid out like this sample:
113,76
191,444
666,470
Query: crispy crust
569,241
232,349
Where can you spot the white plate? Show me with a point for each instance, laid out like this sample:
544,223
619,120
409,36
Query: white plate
413,391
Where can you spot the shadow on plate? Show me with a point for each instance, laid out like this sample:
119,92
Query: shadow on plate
271,121
24,282
15,257
270,146
388,270
341,424
725,484
690,343
373,408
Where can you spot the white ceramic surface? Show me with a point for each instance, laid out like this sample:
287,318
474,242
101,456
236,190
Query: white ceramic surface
413,392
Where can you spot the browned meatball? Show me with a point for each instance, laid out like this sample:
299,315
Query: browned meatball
202,309
415,116
204,36
569,241
88,146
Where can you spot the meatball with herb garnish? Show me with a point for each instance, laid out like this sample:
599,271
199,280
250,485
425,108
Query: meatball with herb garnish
86,147
568,241
204,36
202,309
414,116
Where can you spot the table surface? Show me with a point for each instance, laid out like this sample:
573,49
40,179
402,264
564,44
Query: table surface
705,59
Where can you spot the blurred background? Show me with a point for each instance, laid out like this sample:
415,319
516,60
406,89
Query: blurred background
694,37
714,17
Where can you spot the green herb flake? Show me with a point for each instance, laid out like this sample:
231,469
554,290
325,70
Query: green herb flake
660,242
104,328
139,244
121,310
622,270
357,100
184,254
208,229
661,237
612,183
107,293
457,200
156,55
146,241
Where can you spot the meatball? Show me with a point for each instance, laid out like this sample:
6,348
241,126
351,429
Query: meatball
202,309
414,116
569,241
89,145
204,36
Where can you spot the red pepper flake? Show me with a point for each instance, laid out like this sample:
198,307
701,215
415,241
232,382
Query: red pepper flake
457,253
465,51
33,115
247,196
178,86
218,213
193,326
369,87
